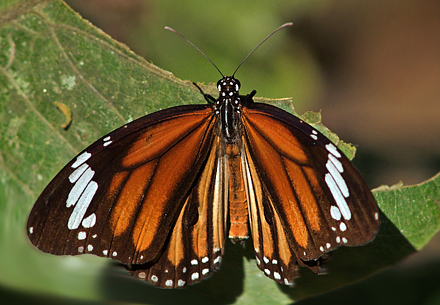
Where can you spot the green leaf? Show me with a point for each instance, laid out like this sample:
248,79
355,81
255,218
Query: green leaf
49,57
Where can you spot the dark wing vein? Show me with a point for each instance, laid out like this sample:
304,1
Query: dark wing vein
298,215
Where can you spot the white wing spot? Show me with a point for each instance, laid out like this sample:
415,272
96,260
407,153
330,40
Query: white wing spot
333,150
184,270
205,259
194,262
314,137
344,240
321,248
328,245
265,259
73,177
114,253
342,227
333,228
267,271
82,235
276,275
335,213
81,159
376,216
107,143
205,271
169,283
105,252
81,249
195,276
142,275
181,283
89,248
31,230
258,260
274,261
79,187
338,239
89,221
314,131
218,259
95,235
336,163
106,138
154,278
338,178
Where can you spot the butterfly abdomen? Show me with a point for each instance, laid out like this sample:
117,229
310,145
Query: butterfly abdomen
238,207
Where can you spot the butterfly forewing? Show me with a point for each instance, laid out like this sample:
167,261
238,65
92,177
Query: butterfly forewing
308,199
122,196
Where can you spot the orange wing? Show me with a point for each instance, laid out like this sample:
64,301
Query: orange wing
140,195
305,197
195,246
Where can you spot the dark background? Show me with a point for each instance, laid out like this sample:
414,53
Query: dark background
372,68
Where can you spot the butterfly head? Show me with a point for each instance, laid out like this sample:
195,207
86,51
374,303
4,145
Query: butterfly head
228,86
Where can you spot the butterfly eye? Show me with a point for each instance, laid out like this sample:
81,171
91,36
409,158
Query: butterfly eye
237,85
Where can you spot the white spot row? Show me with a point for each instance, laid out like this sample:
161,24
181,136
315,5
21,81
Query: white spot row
107,141
276,274
336,184
194,276
327,246
82,235
82,193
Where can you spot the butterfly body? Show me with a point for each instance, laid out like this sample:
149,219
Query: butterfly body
158,193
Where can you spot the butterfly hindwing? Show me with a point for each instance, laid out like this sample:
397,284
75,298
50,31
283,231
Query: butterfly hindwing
196,242
306,197
123,196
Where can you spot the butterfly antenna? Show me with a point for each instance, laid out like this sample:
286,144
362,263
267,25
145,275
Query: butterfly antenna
268,36
187,40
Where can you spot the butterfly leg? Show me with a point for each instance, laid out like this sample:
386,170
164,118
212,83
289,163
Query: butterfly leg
207,97
248,98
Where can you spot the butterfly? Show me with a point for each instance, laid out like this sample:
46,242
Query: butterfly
161,194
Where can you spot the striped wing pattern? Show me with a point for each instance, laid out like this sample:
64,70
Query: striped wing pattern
195,247
305,197
136,196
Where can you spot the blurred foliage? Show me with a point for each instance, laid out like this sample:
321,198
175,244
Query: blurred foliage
50,55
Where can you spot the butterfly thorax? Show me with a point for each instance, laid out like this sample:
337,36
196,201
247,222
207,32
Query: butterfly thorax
228,107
